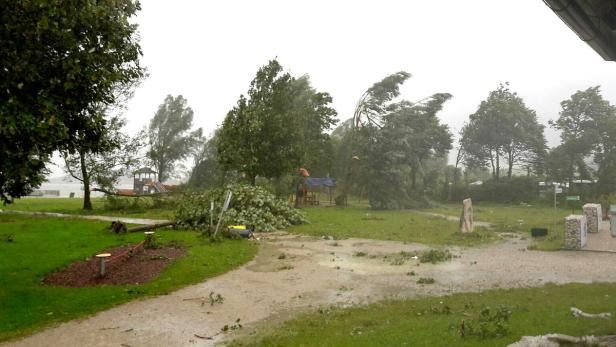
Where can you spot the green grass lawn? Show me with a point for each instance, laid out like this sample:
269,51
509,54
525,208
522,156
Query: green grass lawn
42,245
399,225
437,321
74,206
519,218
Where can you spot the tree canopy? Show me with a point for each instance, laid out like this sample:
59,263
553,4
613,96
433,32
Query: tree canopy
276,127
102,160
503,129
400,151
585,123
170,138
59,63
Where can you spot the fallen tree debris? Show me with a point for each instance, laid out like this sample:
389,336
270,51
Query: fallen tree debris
557,340
576,312
204,337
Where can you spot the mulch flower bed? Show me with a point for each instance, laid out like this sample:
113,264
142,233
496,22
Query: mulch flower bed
141,267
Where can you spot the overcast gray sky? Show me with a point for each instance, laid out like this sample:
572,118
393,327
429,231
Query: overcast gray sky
209,51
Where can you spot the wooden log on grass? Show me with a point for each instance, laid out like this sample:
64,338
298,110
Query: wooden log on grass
150,227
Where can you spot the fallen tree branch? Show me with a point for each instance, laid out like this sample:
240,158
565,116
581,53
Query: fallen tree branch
150,227
576,312
555,340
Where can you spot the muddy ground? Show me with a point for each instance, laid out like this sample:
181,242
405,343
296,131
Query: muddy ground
294,273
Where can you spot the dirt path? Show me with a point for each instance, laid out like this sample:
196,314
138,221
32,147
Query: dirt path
316,272
128,220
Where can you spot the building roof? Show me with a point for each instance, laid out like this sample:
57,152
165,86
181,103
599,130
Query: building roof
594,21
144,170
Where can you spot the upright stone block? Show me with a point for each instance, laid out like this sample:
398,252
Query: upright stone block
593,217
575,232
466,219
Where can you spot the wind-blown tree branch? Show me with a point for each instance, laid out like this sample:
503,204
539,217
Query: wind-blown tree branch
372,105
397,152
102,160
272,129
170,138
58,64
313,114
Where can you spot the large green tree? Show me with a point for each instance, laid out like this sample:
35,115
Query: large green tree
504,131
373,104
276,127
102,160
397,153
59,62
207,172
170,135
585,123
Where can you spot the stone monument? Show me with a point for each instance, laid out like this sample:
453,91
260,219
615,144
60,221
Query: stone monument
466,219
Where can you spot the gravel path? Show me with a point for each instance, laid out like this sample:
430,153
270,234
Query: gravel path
316,272
144,221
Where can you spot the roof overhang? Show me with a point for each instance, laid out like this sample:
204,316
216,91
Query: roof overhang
594,21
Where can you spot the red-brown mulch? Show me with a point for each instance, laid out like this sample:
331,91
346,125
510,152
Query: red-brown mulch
141,267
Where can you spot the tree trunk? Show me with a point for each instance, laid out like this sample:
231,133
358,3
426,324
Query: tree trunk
160,173
87,203
497,166
570,173
253,179
510,169
492,165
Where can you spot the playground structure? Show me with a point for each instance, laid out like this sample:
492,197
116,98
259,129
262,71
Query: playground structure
310,188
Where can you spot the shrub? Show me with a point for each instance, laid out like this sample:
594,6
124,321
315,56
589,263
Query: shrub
250,206
117,203
489,324
508,190
425,280
434,256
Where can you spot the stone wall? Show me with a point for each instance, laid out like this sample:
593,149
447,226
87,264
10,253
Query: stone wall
593,217
575,232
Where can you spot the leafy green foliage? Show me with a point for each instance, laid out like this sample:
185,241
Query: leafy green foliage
490,323
102,160
207,172
587,124
503,129
508,190
250,206
277,127
170,138
60,64
396,154
435,256
141,204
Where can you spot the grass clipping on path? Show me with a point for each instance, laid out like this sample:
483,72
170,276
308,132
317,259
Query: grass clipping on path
490,318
